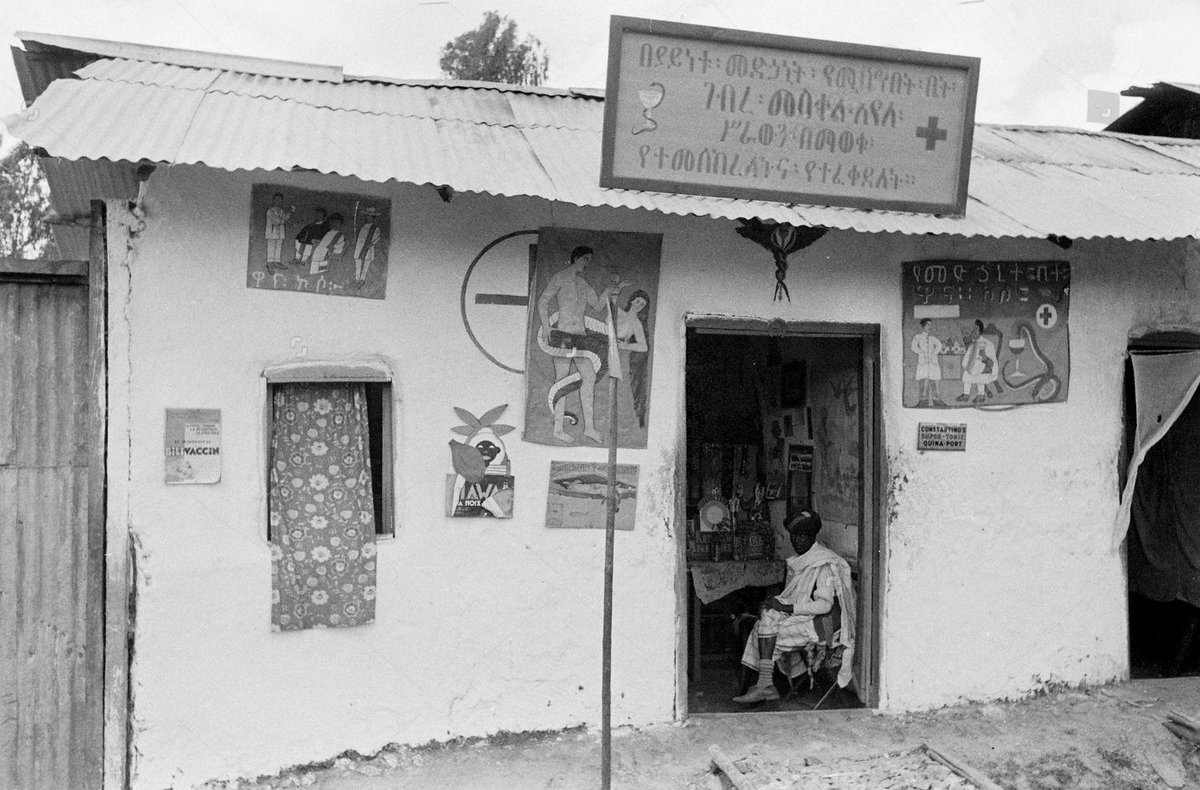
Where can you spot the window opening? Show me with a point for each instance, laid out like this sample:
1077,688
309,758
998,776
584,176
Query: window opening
321,506
379,450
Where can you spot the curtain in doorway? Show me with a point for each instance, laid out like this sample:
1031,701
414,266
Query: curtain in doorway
1163,385
321,508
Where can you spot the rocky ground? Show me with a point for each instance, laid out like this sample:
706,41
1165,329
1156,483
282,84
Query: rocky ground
1104,737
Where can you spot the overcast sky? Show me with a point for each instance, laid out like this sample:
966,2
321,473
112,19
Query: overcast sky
1039,57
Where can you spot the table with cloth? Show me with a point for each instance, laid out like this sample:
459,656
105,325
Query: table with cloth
712,581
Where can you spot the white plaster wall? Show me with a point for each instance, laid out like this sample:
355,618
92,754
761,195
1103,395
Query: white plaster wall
999,579
481,625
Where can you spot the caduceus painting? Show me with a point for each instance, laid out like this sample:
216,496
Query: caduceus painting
591,319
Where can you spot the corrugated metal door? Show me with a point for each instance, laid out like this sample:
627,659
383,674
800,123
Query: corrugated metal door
51,651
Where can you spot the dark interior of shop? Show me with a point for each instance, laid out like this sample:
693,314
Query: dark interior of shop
752,400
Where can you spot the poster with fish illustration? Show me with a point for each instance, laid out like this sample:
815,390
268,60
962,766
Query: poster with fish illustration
578,495
568,361
985,333
321,243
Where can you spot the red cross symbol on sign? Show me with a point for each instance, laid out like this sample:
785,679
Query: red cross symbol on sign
1047,316
931,133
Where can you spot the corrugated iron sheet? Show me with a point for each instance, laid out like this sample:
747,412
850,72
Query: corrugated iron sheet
492,106
72,190
1186,86
38,65
1025,181
50,733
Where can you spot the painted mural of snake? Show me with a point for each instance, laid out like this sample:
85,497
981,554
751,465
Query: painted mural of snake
1045,384
570,382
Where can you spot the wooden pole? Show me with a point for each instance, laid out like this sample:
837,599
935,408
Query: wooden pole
961,768
610,520
726,766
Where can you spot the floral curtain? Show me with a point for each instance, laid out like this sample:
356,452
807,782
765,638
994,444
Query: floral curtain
321,508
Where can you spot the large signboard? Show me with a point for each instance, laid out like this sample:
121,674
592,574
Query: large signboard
985,333
710,111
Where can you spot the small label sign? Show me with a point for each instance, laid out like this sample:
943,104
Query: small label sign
941,436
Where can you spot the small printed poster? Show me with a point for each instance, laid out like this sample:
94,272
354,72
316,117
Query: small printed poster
941,436
192,446
800,458
324,243
578,495
481,485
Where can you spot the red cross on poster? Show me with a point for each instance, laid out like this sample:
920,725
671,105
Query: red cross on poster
990,333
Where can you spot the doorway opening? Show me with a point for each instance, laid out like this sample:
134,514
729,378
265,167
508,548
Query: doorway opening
781,419
1163,541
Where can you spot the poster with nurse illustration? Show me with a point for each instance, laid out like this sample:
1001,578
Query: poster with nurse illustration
591,320
985,333
321,243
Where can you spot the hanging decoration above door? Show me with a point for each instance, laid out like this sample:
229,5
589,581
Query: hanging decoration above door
782,240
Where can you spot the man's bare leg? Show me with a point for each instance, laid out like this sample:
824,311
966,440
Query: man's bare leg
764,688
587,394
562,367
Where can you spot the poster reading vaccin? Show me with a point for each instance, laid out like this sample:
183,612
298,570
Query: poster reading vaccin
192,446
985,333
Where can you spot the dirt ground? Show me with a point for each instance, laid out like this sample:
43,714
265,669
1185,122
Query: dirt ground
1101,737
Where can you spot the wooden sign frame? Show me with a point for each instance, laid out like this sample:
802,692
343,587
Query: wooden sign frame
680,38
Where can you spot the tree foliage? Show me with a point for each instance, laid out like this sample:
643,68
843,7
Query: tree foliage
24,206
490,53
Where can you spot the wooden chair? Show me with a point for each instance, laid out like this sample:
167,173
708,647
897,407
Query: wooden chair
822,656
809,660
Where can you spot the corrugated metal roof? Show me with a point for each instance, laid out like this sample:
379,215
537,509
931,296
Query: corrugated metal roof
434,100
1186,86
1025,181
38,65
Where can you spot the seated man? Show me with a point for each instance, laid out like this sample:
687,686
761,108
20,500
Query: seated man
815,576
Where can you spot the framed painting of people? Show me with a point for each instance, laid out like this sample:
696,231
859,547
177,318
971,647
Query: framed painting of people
321,243
588,289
